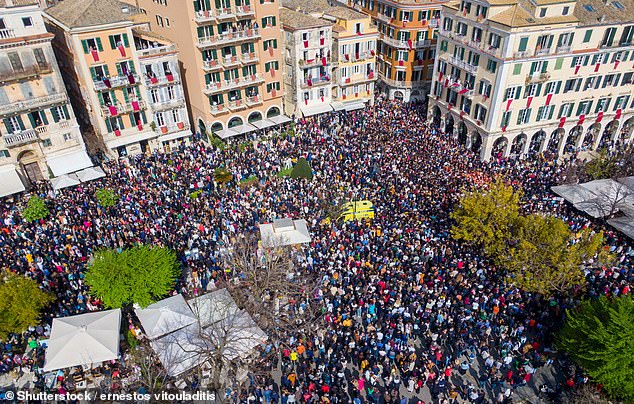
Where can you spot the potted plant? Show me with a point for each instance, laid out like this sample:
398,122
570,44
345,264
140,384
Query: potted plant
163,129
180,125
153,126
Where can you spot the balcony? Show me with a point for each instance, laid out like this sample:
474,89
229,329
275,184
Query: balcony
156,51
228,37
225,13
463,65
168,104
218,109
168,129
31,72
237,105
434,23
231,61
22,138
356,79
120,109
537,78
161,81
248,58
312,62
253,100
397,43
563,49
211,65
521,55
7,33
315,82
115,82
204,16
384,18
542,52
33,103
245,11
402,84
225,85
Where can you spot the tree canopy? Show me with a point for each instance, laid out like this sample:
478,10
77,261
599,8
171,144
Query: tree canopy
599,336
21,302
302,169
540,253
106,197
142,275
35,209
222,175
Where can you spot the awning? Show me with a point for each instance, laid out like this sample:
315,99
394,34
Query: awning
244,128
68,163
338,106
129,139
310,110
89,174
624,224
10,181
174,136
64,181
280,119
226,133
263,123
354,105
165,316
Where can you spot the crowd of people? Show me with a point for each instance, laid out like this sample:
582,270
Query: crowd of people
408,312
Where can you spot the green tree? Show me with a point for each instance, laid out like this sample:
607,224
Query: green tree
544,256
599,336
106,197
603,166
302,169
487,218
222,175
35,209
21,302
141,274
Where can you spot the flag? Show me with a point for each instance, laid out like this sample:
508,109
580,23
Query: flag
616,63
113,110
464,90
600,116
401,62
596,67
548,98
270,50
323,61
562,121
305,44
121,50
618,114
409,43
577,69
272,71
135,105
504,128
581,119
528,102
95,55
508,104
440,76
321,41
446,82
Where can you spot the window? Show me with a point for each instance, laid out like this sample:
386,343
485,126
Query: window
268,21
480,113
68,137
171,93
358,28
4,153
39,57
447,24
2,24
506,118
608,37
14,124
545,113
272,86
160,119
602,105
305,36
167,21
484,88
466,105
621,102
524,116
517,69
542,12
523,44
47,143
532,90
572,85
476,35
609,80
176,115
492,65
461,29
60,113
626,36
159,20
16,63
584,108
553,87
565,10
587,36
494,41
512,93
154,94
566,110
27,21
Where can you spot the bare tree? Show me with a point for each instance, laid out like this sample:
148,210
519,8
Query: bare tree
148,369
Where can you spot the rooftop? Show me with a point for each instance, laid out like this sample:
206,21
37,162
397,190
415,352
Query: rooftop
324,7
17,3
518,16
88,13
296,20
590,12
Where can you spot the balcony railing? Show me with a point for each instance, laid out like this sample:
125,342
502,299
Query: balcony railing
168,104
25,73
163,80
542,52
33,103
346,81
521,54
237,105
563,49
231,61
7,33
232,84
253,100
224,13
181,126
404,44
245,11
157,51
384,18
204,16
228,37
463,65
18,139
211,65
249,58
537,77
116,81
218,109
120,109
312,62
320,81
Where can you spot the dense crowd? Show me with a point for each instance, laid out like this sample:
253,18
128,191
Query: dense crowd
406,307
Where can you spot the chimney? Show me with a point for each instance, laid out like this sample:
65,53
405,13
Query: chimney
602,18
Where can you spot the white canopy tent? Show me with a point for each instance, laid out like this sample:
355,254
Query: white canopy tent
10,181
90,173
165,316
181,350
64,181
283,232
85,339
69,162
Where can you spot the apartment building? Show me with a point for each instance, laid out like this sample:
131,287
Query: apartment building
353,52
40,135
520,77
230,55
406,49
125,82
307,63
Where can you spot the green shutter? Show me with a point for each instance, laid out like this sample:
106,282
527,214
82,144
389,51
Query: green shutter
55,115
275,44
550,41
552,110
400,15
207,78
21,122
125,96
274,21
7,125
119,71
32,119
517,69
93,73
101,101
105,70
233,51
266,45
132,120
201,32
544,66
43,116
108,125
558,63
143,117
539,90
113,44
120,122
125,41
518,92
196,6
99,45
558,87
84,44
587,36
217,3
66,114
131,68
523,44
264,22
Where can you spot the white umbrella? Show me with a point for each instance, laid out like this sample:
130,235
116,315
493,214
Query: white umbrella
64,181
84,339
90,173
165,316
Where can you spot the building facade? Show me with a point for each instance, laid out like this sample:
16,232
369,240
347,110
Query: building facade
39,127
120,79
407,45
307,63
353,53
230,55
516,78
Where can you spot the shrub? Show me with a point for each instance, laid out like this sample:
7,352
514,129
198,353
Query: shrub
222,175
35,209
302,169
285,172
106,197
196,194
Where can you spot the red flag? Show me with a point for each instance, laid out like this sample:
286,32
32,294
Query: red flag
596,67
577,69
508,104
616,63
446,82
409,43
321,41
618,114
562,121
504,128
582,118
323,61
95,55
322,99
528,102
272,72
600,116
305,101
401,62
464,90
271,50
121,50
548,98
440,76
305,44
113,110
135,105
